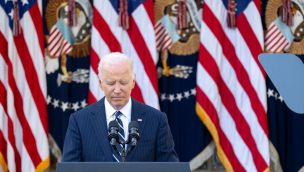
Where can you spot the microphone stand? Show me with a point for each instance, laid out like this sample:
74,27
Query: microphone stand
123,152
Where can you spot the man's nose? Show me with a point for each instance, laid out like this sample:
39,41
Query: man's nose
117,88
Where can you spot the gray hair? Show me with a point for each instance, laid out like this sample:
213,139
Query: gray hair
112,59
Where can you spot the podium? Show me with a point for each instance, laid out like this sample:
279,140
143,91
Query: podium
123,167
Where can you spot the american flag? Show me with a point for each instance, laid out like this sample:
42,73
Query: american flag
23,115
231,91
60,39
278,36
165,33
163,39
138,42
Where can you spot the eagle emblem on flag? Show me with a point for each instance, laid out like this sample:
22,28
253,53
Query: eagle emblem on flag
185,40
65,40
279,36
177,31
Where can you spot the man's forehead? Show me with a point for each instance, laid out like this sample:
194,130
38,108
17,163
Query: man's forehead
112,62
116,67
123,77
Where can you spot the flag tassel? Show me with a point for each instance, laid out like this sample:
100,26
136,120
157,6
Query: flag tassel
123,14
182,14
72,13
231,16
286,12
16,19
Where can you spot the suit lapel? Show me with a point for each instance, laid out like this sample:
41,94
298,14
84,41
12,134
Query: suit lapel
99,123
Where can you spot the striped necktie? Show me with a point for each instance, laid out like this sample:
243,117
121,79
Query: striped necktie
121,134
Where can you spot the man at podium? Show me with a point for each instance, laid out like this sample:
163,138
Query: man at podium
117,127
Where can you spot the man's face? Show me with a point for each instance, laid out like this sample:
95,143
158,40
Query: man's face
117,82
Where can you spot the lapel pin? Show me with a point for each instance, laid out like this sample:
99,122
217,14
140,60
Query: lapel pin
139,120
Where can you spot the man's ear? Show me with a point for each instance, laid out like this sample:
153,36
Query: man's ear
133,84
133,81
100,84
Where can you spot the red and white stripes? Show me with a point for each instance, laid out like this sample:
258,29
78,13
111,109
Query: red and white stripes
275,41
163,39
57,44
23,114
231,89
138,42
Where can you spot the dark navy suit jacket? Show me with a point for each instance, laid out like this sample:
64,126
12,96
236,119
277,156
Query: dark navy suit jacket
87,135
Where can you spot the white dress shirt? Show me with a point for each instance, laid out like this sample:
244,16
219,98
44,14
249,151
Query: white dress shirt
125,117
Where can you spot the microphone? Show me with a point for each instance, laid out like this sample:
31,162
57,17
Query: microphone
133,133
113,132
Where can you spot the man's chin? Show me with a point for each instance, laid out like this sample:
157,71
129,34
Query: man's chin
117,104
117,107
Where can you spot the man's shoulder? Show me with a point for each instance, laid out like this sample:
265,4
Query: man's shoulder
147,110
90,109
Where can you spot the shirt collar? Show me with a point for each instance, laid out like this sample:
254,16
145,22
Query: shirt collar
126,110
